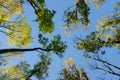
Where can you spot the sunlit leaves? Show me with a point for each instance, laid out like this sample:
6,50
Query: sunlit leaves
69,62
70,29
72,72
108,26
9,8
19,34
98,3
4,17
18,72
107,35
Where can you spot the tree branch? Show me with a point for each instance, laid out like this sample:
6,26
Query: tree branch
110,72
104,70
3,51
31,74
6,27
100,60
1,4
34,5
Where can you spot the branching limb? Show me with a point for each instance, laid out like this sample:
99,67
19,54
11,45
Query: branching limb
103,61
110,72
107,67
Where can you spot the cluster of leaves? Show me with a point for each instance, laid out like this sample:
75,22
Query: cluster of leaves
79,14
83,9
109,29
9,8
21,71
98,3
17,72
91,43
45,22
107,35
18,31
56,45
76,14
72,72
19,34
41,69
44,16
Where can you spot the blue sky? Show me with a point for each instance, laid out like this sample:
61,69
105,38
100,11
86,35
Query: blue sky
60,6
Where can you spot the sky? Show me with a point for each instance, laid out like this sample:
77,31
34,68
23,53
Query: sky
79,60
71,52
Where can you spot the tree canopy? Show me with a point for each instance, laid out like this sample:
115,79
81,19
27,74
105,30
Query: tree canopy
95,41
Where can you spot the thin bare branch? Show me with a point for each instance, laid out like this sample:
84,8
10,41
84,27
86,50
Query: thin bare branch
9,28
108,67
3,51
4,6
103,61
110,72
